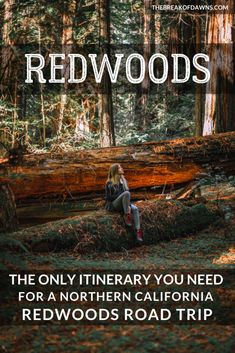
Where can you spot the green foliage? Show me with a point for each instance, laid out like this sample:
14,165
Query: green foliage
167,121
29,111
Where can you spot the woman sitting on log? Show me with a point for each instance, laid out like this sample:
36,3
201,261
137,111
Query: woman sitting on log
118,197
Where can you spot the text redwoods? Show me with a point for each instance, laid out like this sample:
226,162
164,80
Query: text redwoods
66,66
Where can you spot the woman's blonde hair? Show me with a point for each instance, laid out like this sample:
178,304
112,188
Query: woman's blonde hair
113,174
115,177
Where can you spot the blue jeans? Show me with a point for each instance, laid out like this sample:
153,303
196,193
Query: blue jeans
122,203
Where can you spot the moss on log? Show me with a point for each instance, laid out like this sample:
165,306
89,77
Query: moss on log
103,231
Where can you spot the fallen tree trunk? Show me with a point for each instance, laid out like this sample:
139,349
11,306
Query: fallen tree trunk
104,231
41,212
156,164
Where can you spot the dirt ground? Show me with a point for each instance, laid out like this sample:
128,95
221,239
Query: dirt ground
212,248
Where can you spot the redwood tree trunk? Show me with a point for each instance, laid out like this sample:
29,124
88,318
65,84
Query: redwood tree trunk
107,134
142,95
198,92
219,105
147,165
67,43
7,52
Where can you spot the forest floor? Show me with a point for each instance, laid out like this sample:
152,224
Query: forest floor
211,248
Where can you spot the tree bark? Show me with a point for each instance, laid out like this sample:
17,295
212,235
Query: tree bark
147,165
173,48
107,131
157,28
142,93
7,52
8,218
219,105
42,95
198,93
67,43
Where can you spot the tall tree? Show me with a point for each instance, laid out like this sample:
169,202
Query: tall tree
7,52
107,133
67,43
219,104
147,52
198,89
173,48
157,28
7,58
41,85
143,89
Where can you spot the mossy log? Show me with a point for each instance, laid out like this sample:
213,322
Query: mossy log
106,231
41,212
77,174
